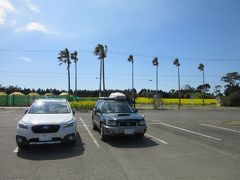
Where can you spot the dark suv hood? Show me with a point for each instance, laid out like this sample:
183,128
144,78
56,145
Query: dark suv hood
123,116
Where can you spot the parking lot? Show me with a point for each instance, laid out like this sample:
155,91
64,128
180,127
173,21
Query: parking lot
179,144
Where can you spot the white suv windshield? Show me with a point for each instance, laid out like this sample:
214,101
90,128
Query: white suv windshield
116,107
42,107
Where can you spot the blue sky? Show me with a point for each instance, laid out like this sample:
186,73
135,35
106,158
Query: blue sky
195,31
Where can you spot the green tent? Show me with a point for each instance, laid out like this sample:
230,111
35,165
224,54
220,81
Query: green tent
64,94
49,94
16,94
3,94
33,94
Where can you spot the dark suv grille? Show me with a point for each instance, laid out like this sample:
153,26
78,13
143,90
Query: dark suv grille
127,123
45,128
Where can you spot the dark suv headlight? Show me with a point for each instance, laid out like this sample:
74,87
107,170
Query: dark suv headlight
111,123
142,123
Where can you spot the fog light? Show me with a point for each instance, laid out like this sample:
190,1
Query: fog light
70,138
19,140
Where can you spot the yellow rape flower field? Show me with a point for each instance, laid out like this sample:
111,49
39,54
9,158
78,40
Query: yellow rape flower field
168,101
89,104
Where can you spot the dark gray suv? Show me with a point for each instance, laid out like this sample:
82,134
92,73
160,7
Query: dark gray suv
114,116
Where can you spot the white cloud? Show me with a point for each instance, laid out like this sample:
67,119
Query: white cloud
5,8
26,59
31,6
35,26
8,8
13,23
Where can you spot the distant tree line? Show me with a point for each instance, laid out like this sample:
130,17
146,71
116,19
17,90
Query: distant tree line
230,96
187,92
232,89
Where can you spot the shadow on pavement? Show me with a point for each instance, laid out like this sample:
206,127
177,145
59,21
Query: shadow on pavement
52,151
130,142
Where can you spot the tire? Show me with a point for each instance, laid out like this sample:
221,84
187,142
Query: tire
103,136
21,146
72,143
140,136
22,143
94,127
69,143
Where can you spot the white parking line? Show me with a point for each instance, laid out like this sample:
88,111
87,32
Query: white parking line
157,139
154,123
89,132
189,131
82,125
227,129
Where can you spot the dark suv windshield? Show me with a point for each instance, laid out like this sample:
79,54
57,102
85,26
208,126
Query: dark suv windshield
41,107
116,107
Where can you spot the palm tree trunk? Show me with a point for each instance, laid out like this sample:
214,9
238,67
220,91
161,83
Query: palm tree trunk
156,96
68,68
179,92
76,81
103,72
133,86
100,79
157,80
203,88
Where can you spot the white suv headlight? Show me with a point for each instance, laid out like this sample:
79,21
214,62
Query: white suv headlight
69,124
22,125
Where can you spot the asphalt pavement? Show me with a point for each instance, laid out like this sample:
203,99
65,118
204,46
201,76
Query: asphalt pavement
179,144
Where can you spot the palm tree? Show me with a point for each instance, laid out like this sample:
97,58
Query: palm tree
155,63
75,60
201,68
101,51
64,58
176,63
130,59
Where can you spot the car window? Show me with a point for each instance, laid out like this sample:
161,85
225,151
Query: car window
49,108
99,104
116,107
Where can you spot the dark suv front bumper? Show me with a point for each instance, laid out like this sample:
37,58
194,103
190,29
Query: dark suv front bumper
119,130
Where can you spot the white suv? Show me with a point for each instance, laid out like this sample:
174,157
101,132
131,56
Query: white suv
47,121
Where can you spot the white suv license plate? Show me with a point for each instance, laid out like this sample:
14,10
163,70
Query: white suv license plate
129,131
45,138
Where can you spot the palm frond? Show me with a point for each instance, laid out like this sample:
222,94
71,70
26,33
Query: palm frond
130,58
201,67
74,56
100,51
155,61
176,62
106,48
63,57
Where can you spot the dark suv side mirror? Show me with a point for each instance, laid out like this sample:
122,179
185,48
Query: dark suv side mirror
135,110
97,111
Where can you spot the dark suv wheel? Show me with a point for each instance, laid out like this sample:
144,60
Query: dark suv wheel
94,126
103,136
140,136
